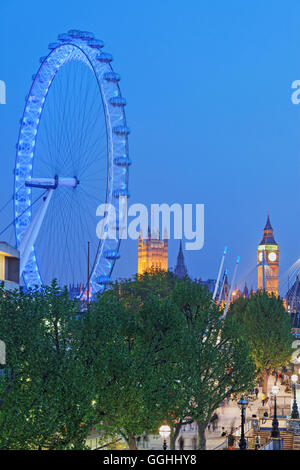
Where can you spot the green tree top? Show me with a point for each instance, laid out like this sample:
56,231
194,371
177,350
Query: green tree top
267,328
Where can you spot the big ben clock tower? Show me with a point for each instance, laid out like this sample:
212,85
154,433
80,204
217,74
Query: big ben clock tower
268,261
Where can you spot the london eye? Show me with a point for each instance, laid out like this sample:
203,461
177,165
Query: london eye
72,156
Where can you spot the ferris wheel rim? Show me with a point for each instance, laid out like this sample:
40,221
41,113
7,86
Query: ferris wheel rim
99,273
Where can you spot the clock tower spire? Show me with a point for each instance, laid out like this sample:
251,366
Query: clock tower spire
268,261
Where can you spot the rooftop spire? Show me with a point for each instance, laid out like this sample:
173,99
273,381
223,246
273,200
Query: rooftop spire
268,237
268,225
180,269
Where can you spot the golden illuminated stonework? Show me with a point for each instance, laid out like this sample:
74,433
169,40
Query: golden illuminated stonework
152,253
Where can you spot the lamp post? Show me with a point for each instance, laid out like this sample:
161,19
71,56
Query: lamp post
275,430
243,405
295,411
165,432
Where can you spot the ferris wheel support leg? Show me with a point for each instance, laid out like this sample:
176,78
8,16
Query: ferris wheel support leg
231,287
222,287
219,274
32,232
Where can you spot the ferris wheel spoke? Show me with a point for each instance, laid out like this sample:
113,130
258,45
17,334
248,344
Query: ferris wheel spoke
91,162
92,175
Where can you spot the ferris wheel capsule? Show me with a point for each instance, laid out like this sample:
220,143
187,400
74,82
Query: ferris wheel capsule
121,130
75,33
104,280
112,254
63,37
53,45
122,161
112,77
86,35
105,57
118,101
121,193
96,43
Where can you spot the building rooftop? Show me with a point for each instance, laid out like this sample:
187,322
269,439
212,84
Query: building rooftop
268,237
9,250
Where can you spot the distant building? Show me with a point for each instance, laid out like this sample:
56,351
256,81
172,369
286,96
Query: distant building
152,253
292,305
246,291
180,269
268,261
292,297
224,289
9,266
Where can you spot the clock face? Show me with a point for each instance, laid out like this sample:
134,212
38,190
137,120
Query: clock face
260,256
272,256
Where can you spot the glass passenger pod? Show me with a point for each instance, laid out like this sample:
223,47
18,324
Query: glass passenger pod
112,254
75,33
24,146
122,161
103,280
53,45
105,57
112,77
121,193
86,35
96,43
26,122
64,37
118,101
121,130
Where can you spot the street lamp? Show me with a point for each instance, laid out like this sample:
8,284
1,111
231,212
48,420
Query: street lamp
243,404
295,411
165,432
275,430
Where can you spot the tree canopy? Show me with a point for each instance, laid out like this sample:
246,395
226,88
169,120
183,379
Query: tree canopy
45,387
267,328
147,351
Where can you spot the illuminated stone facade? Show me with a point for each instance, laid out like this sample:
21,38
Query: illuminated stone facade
9,266
152,253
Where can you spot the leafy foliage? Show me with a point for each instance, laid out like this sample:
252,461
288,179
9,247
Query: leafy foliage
46,388
267,329
150,350
218,362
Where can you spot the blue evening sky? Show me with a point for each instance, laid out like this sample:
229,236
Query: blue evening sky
208,85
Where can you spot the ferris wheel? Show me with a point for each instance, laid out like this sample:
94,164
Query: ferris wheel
72,156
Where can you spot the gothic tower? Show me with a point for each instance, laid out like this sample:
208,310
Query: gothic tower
152,253
180,269
268,261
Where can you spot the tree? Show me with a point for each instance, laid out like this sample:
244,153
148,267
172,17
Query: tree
134,293
152,282
217,360
141,342
46,390
268,330
212,362
147,351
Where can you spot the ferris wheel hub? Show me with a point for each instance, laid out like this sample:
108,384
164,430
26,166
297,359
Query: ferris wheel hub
52,183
